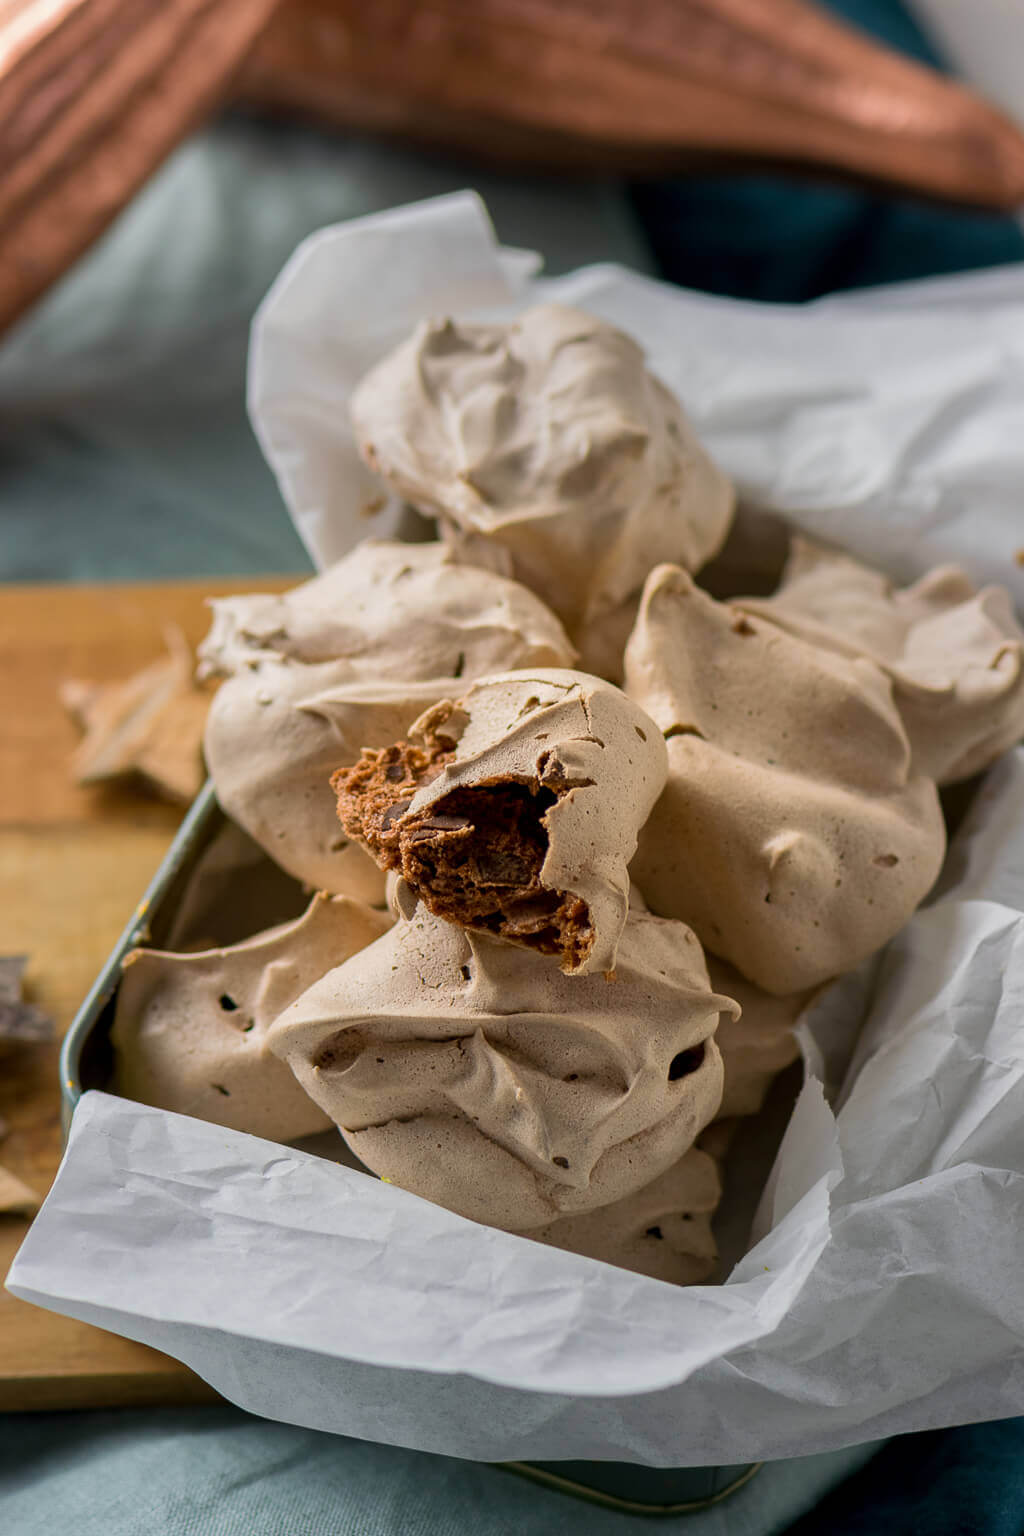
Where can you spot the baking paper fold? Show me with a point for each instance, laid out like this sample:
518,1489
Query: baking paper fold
885,1289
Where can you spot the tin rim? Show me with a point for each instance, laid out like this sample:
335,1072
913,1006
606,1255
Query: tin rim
576,1490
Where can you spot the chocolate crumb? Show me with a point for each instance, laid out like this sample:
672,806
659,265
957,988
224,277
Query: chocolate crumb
474,856
683,730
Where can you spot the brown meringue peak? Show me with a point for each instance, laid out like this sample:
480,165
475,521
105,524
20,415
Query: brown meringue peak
663,1230
190,1032
547,441
516,810
344,662
476,1074
955,655
791,834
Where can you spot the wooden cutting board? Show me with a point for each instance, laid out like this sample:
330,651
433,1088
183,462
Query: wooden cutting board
73,863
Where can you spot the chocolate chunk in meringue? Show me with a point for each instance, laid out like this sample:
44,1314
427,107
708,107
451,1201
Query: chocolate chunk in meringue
516,810
344,662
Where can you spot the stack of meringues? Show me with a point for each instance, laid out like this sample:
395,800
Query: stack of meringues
612,891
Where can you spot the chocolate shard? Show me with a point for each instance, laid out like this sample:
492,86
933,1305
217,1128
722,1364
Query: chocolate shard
21,1023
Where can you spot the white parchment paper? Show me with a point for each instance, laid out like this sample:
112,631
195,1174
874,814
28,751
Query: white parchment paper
887,1292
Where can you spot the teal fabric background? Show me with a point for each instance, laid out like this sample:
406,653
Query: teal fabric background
215,1472
125,451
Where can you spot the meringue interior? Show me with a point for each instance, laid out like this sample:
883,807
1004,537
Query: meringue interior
475,856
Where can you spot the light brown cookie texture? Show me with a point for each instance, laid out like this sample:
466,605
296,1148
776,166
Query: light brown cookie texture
344,662
955,655
515,810
663,1230
547,442
717,1138
475,1073
758,1044
190,1032
792,834
755,1048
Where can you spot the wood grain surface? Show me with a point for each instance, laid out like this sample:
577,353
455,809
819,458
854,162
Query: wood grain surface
73,862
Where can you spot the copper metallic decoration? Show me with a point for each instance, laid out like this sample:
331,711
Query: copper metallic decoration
95,93
642,85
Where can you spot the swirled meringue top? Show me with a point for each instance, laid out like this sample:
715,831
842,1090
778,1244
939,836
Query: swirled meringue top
549,439
346,661
475,1073
955,655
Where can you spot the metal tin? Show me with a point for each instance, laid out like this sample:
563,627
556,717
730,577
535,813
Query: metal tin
86,1061
85,1057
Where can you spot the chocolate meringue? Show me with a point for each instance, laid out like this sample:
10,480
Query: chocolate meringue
516,809
190,1031
663,1230
474,1073
757,1044
548,441
791,835
955,655
755,1048
347,661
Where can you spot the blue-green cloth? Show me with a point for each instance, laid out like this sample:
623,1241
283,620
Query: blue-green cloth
955,1482
768,237
125,454
218,1472
125,451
